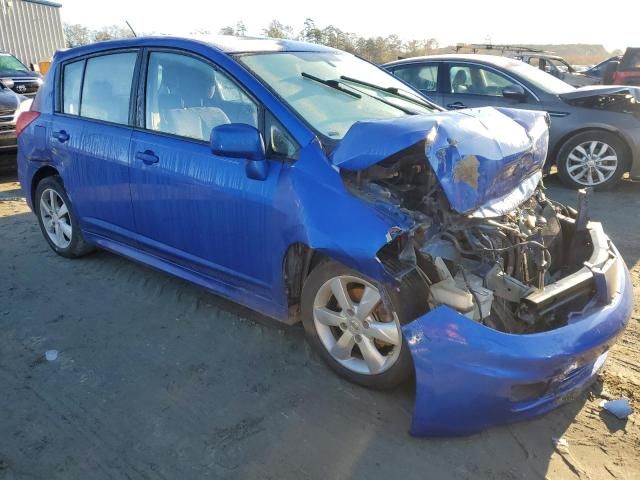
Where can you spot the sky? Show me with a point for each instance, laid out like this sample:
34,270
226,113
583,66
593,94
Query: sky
613,24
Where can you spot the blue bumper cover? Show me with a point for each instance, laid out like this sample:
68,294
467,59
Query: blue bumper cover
470,377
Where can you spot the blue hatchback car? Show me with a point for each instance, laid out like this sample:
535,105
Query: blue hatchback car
313,186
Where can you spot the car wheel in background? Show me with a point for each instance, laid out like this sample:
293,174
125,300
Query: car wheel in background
357,334
57,221
592,159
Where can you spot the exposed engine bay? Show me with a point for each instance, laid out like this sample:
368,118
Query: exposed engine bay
501,271
615,99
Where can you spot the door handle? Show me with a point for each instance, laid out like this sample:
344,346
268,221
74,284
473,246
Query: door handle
148,157
61,136
456,105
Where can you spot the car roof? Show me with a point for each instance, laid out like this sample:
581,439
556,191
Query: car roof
495,60
224,43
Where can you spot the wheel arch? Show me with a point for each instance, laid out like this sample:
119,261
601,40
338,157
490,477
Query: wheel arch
42,173
627,154
299,260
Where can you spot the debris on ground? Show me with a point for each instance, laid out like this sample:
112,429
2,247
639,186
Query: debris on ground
560,442
51,355
620,408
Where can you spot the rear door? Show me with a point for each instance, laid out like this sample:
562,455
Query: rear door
473,85
422,76
192,207
91,132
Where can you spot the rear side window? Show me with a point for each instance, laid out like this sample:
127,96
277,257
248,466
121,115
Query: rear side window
106,90
72,79
422,77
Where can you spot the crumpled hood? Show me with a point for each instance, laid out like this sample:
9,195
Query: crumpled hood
487,160
622,99
598,90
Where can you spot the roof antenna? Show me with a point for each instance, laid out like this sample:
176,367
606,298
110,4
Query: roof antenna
131,28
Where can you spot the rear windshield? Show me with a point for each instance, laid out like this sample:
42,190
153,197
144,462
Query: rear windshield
9,62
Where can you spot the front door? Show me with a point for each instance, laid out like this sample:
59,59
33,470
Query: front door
192,207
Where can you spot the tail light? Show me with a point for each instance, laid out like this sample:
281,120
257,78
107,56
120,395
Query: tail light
24,119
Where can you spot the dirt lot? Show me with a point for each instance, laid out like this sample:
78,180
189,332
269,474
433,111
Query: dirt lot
157,378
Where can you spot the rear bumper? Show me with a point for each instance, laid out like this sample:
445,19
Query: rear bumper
470,377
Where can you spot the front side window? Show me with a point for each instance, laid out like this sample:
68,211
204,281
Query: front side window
189,97
106,90
475,80
72,83
333,90
422,77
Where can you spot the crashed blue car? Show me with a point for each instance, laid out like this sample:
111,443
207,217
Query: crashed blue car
313,186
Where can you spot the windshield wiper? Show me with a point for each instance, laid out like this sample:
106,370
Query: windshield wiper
392,90
350,91
331,83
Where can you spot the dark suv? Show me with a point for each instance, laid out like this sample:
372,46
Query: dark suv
11,105
628,72
16,76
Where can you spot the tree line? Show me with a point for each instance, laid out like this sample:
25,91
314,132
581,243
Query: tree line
376,49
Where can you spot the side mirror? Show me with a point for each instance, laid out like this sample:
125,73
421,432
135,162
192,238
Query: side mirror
515,92
239,140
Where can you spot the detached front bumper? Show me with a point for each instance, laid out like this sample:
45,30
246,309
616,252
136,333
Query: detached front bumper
470,377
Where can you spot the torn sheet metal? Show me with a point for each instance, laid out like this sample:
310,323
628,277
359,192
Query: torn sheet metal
479,155
470,377
595,90
621,99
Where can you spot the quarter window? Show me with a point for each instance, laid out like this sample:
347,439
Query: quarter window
106,91
72,80
188,97
475,80
422,77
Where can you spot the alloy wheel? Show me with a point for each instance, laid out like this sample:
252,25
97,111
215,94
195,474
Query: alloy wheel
592,163
56,218
355,327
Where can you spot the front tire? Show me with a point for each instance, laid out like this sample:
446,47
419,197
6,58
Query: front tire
359,336
57,220
592,159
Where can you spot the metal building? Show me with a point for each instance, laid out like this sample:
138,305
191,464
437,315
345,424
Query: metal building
30,29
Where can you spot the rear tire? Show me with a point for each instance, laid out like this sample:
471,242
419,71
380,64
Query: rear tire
592,159
327,324
57,219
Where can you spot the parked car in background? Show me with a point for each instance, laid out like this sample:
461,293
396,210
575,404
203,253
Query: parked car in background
559,68
595,131
311,185
603,71
11,105
628,71
16,76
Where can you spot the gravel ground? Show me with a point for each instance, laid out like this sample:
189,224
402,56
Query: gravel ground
159,379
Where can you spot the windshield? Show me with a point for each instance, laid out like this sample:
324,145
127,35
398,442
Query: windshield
333,90
540,79
9,62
